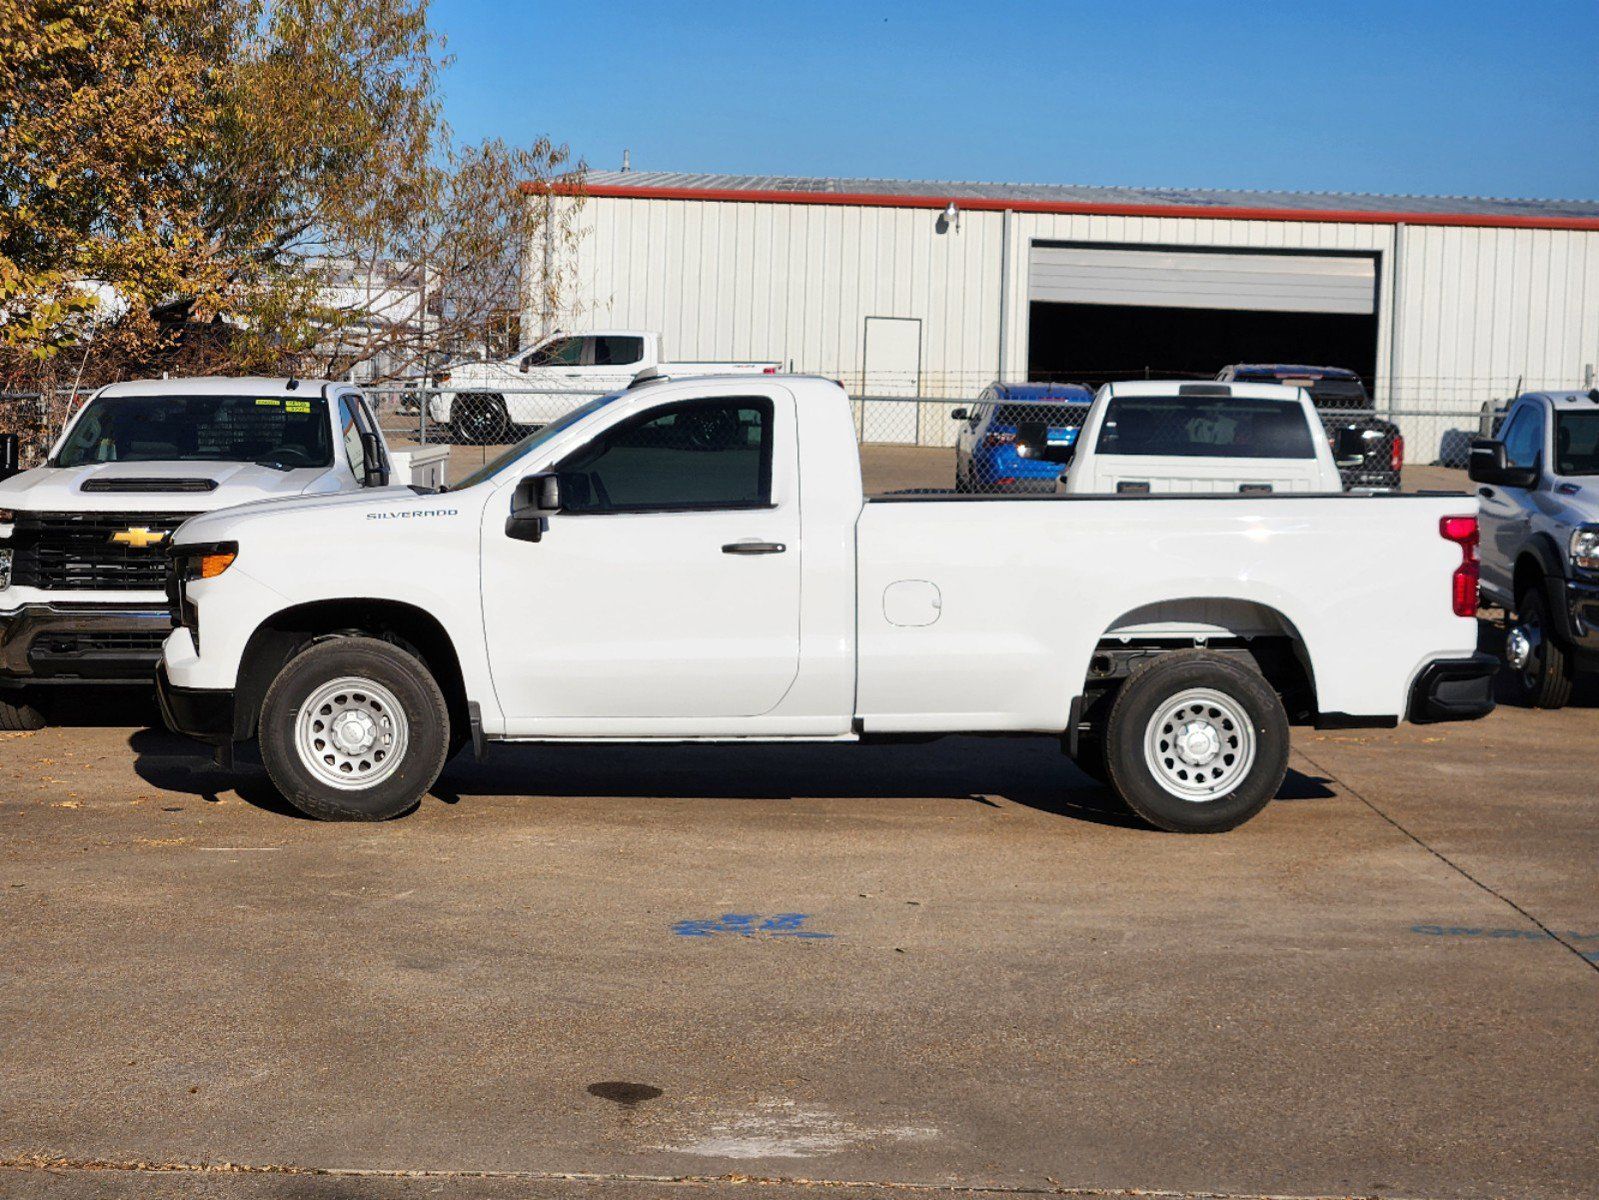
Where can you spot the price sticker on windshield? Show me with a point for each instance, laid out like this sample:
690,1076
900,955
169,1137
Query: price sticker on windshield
266,403
297,406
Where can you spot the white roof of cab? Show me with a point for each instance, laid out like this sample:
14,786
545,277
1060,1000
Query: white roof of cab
1208,390
1571,399
220,385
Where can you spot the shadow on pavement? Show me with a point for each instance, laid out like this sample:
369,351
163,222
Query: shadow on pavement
1030,772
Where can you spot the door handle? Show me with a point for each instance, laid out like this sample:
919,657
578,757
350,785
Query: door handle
754,548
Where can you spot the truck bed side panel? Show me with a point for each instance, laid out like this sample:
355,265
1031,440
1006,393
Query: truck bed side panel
982,615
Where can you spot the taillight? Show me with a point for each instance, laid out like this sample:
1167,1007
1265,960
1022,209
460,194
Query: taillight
994,440
1396,453
769,371
1463,584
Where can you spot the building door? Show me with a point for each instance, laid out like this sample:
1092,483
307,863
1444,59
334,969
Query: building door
892,368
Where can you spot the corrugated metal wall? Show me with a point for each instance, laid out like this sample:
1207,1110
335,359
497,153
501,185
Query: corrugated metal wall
1477,308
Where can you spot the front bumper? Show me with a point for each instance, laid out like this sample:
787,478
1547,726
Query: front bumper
1454,689
1581,609
78,642
205,714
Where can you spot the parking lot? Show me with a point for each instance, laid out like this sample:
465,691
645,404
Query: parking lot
958,966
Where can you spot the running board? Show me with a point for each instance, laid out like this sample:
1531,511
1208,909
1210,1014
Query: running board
667,740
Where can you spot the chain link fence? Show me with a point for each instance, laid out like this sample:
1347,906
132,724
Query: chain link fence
912,439
926,442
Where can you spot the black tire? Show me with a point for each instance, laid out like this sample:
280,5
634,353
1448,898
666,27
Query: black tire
1159,684
480,420
413,687
19,717
1545,680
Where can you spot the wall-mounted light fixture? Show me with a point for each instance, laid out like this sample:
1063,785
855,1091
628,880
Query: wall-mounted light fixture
952,216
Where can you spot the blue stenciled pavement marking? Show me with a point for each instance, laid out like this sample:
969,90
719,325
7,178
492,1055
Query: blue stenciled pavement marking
1526,935
749,925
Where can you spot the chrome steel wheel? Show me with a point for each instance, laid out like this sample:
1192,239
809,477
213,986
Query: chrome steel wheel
1524,650
1199,745
351,733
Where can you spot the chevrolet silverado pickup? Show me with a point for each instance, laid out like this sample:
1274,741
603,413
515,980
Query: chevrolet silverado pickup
694,560
83,537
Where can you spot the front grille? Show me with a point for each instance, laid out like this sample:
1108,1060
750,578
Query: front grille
68,644
76,551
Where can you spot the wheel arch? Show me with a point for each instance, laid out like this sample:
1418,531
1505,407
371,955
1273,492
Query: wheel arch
290,631
1538,558
1256,630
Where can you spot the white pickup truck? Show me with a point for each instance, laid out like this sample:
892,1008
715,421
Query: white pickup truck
1153,436
83,537
482,403
694,560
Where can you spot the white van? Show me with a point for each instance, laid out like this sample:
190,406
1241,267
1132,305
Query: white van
1171,436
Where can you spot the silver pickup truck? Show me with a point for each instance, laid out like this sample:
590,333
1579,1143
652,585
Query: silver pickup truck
1539,494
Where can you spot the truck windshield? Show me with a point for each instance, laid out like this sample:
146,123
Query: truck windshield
279,431
1181,427
1577,443
531,442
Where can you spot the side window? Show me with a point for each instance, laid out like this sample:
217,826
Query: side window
563,352
698,454
350,429
1523,437
617,351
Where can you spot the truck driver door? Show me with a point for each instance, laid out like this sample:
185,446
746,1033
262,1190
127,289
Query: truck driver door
667,587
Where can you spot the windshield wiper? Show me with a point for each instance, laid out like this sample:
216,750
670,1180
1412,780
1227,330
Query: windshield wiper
274,464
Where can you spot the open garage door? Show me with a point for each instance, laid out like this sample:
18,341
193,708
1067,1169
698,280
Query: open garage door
1106,312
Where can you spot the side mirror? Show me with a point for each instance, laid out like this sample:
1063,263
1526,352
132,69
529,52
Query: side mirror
374,467
527,361
1032,441
1490,464
10,455
960,414
536,499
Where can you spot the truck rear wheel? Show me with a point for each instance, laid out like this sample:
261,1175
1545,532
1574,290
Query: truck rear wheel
18,715
354,729
1196,742
480,420
1540,669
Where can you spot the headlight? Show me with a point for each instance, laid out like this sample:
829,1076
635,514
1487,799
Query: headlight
1585,548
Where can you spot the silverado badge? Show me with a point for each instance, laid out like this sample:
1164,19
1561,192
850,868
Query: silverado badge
139,539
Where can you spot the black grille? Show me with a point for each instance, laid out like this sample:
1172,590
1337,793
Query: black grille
122,642
149,485
76,551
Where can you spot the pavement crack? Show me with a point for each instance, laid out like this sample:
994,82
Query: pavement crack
62,1164
1581,957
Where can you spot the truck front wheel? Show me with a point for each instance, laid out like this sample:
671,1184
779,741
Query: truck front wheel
1196,742
17,715
354,729
1540,671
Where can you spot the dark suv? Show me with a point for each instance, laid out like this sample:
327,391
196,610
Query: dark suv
1369,451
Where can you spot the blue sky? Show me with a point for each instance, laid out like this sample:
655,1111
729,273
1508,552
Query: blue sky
1459,97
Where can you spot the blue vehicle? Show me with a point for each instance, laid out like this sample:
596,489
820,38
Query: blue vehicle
985,447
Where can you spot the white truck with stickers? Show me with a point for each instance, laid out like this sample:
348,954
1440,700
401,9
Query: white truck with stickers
484,403
695,560
1177,436
83,537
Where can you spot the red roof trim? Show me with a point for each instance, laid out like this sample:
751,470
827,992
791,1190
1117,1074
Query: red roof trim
871,200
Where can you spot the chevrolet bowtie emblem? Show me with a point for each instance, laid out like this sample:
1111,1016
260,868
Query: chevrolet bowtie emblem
139,539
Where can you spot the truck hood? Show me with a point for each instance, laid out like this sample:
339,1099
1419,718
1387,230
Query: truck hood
398,503
1578,501
136,487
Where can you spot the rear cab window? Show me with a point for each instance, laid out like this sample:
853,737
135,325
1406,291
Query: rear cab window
1212,427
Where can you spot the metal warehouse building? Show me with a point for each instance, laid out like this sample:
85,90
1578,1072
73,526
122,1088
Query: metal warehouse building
937,289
